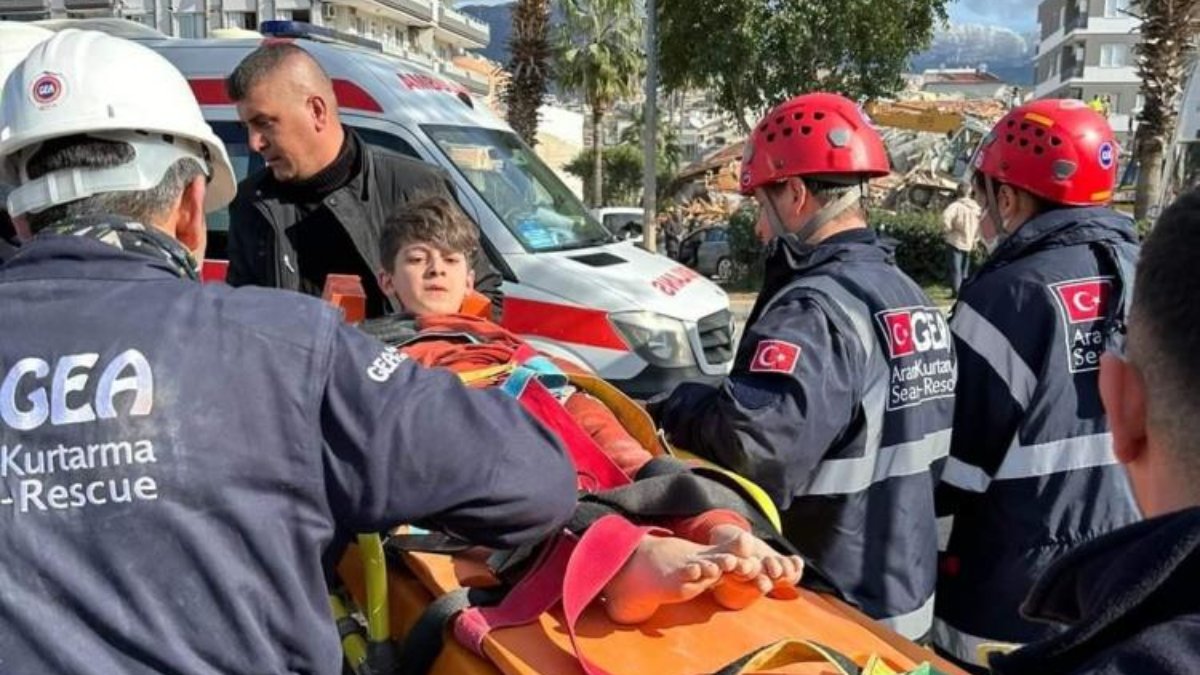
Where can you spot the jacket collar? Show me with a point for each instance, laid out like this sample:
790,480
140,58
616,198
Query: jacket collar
788,259
64,256
858,244
1065,227
1111,588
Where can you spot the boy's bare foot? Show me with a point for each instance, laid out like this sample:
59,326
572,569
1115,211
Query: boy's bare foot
776,572
664,571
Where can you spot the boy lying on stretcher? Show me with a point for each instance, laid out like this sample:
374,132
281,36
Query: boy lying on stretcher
426,267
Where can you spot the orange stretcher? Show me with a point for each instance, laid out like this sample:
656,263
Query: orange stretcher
690,638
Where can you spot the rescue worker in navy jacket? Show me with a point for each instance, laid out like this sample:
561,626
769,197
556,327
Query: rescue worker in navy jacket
1032,473
174,457
318,206
1130,597
841,395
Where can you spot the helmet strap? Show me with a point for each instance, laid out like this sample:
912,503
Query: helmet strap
827,213
773,217
993,207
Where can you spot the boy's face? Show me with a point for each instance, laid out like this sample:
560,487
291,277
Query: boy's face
427,280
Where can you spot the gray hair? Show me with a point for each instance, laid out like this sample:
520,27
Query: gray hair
82,152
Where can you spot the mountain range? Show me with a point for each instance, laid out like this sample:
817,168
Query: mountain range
1002,51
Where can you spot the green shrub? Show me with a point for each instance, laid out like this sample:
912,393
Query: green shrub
747,251
920,250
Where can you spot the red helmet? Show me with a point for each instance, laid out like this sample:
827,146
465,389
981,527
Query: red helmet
812,135
1058,149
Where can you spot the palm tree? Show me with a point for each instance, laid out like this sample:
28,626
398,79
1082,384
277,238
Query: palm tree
1169,29
667,139
599,56
529,65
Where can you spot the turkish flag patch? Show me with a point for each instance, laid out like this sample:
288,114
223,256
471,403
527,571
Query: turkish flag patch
775,356
1085,300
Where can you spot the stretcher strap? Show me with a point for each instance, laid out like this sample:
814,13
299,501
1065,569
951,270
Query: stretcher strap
535,594
594,469
597,558
573,570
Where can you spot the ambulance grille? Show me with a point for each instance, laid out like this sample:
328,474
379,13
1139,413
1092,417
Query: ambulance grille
716,337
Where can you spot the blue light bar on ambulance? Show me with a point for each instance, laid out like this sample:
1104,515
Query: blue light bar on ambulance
307,31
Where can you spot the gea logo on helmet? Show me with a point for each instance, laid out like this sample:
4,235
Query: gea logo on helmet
47,89
914,330
1106,155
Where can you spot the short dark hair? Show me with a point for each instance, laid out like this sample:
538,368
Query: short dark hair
428,219
83,152
260,63
1165,324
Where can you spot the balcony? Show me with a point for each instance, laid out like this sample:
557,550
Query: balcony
470,32
35,9
1072,67
417,9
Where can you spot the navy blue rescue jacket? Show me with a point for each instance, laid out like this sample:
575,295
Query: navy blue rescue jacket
1031,473
176,457
839,405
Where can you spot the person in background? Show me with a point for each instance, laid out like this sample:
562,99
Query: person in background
960,222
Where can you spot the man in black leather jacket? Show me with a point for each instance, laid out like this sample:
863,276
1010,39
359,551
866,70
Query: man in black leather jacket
317,207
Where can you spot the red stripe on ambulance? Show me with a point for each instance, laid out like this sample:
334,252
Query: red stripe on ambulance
350,96
564,323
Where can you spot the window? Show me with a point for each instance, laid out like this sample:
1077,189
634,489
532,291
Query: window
388,141
1116,8
189,24
522,191
247,20
1114,55
302,15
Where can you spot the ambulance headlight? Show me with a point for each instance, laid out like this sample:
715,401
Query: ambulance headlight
660,340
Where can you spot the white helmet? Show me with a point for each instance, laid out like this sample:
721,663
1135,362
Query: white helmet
84,82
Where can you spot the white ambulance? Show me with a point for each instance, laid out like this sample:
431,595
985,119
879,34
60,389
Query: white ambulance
572,289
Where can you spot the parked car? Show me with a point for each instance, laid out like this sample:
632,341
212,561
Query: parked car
623,221
708,252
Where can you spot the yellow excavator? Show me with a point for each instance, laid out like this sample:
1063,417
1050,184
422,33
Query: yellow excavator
930,144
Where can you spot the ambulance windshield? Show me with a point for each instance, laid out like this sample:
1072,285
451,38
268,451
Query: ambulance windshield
533,203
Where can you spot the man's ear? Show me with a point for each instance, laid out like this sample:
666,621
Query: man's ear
319,109
189,225
799,195
470,278
1123,391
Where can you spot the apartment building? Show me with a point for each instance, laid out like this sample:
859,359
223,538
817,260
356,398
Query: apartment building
427,31
1086,50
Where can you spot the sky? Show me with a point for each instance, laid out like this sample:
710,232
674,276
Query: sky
1019,15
